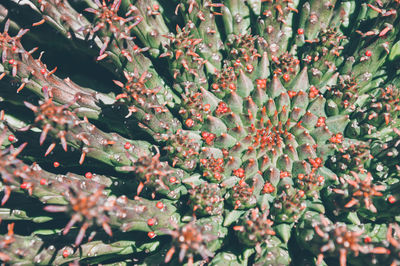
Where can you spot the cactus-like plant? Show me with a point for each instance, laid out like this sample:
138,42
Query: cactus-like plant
200,132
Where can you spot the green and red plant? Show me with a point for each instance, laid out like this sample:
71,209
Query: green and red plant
200,132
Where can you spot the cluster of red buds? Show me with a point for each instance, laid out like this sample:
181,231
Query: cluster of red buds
358,191
191,239
340,240
213,168
254,228
242,196
206,199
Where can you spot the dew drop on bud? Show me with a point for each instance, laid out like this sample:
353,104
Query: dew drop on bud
286,77
160,205
391,199
88,175
151,235
151,222
189,122
127,146
65,253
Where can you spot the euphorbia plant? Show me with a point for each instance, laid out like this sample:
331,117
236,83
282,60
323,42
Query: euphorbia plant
258,132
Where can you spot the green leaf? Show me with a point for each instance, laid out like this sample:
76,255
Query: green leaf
232,216
284,231
394,52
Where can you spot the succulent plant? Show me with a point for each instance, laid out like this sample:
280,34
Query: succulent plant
200,132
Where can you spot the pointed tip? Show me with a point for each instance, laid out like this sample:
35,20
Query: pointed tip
301,82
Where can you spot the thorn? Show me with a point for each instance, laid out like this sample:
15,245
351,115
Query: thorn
375,8
107,228
21,87
7,193
49,149
52,72
101,57
384,31
140,188
63,140
38,23
82,159
44,133
169,254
